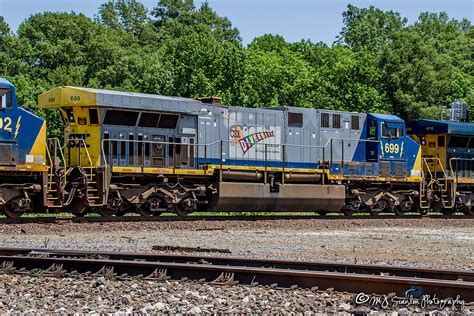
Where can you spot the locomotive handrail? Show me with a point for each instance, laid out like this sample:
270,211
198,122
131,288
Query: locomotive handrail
106,158
61,152
433,179
50,172
147,142
436,159
84,145
457,170
58,146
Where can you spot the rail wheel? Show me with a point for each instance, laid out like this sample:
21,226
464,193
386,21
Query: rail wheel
181,211
448,211
152,206
106,211
79,213
379,207
322,213
114,204
347,212
402,208
468,210
423,211
124,209
14,208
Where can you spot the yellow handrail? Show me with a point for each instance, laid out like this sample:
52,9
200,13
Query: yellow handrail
56,141
82,141
50,171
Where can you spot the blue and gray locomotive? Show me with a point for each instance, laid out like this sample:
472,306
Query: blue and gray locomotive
151,154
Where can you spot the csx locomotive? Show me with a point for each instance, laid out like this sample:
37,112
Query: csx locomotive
131,152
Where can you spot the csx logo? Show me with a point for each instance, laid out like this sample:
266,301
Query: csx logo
75,98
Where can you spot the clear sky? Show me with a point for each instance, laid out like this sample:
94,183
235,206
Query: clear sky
318,20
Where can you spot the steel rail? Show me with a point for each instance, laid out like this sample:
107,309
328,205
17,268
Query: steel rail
442,274
100,219
228,274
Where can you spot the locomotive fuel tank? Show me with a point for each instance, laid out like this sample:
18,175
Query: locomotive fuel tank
241,197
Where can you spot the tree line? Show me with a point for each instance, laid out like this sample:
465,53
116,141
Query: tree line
378,63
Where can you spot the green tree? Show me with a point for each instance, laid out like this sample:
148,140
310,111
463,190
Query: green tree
369,27
428,65
175,18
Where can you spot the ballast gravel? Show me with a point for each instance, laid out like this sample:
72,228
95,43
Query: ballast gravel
65,296
426,243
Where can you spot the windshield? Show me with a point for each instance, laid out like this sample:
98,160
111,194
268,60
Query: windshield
392,130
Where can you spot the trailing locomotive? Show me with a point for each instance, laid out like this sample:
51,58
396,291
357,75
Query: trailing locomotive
152,154
448,151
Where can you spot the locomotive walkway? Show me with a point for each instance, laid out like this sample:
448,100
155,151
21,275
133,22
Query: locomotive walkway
353,278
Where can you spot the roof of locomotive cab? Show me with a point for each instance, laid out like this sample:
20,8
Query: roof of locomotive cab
5,82
76,96
387,117
440,127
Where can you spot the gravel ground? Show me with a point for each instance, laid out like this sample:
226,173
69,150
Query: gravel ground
30,295
429,243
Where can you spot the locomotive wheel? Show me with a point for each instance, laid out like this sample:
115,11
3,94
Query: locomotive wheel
106,212
468,210
322,213
120,213
378,208
448,211
150,206
347,212
145,211
124,209
423,211
403,207
11,211
79,214
180,211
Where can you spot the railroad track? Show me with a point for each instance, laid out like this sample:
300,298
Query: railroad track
100,219
353,278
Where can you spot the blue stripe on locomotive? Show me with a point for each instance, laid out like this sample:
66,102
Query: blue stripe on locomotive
22,128
371,152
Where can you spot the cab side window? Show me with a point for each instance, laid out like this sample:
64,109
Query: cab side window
6,99
9,100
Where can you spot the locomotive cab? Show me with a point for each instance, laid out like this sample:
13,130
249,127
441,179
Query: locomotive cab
8,154
387,142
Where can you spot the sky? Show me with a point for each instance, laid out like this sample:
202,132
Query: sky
317,20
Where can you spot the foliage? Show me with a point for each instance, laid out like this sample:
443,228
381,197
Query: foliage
378,63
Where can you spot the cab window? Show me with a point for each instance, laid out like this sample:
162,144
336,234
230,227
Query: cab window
372,129
70,115
6,99
392,130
